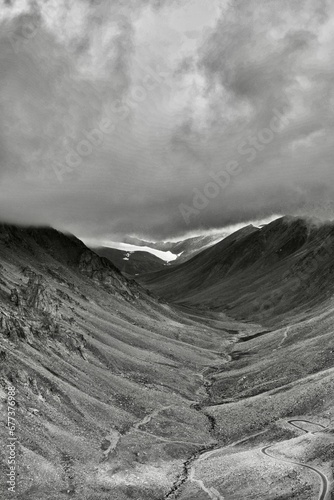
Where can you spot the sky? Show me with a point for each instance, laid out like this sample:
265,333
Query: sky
160,118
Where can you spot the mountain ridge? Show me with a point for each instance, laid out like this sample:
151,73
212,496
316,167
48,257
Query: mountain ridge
257,261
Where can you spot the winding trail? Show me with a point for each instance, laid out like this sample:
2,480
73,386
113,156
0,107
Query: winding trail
169,441
214,494
114,436
293,423
285,336
324,481
147,419
210,491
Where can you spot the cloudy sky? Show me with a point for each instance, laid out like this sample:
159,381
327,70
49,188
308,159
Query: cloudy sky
161,117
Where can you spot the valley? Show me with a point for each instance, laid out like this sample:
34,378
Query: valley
126,389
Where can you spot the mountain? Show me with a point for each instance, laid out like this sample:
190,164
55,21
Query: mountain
122,395
256,273
131,263
184,249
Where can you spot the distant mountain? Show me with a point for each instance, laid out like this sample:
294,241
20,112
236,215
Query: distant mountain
131,263
140,262
256,272
184,248
192,246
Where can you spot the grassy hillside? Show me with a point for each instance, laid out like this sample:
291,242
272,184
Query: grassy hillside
256,273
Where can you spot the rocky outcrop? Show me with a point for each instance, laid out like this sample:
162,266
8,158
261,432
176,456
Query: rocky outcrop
14,297
103,271
34,295
15,328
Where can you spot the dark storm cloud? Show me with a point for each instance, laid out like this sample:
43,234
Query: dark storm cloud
117,116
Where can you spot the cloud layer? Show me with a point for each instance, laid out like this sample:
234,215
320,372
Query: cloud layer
161,117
